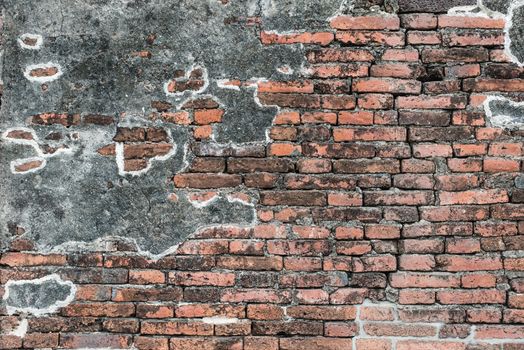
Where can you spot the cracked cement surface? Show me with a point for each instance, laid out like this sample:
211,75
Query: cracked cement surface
82,59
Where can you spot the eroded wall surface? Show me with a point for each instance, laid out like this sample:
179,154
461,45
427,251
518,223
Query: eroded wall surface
247,174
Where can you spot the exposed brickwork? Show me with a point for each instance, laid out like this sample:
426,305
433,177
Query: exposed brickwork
390,213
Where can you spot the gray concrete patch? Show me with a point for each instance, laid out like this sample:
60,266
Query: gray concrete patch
504,113
432,5
515,34
501,6
113,58
39,296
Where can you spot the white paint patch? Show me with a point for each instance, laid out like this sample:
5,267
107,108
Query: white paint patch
37,37
35,311
40,80
21,330
219,320
502,121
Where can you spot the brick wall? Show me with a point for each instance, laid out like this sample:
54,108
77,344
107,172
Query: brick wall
389,207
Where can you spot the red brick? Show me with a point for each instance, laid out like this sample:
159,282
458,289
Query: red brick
286,86
470,22
206,343
432,102
493,229
374,101
319,117
485,84
463,246
424,38
430,345
350,232
208,116
500,332
424,280
498,165
366,22
463,71
407,55
207,180
347,70
340,329
146,277
398,197
399,330
151,343
431,150
202,279
484,315
321,38
339,55
417,262
474,197
314,166
315,343
457,263
389,85
479,280
351,199
373,344
363,37
256,343
377,313
250,263
97,340
416,296
473,37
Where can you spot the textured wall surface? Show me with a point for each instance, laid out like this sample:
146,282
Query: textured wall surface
262,174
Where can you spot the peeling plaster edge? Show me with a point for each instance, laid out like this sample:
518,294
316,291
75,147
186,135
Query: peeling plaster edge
21,330
485,12
100,242
37,46
500,121
29,68
40,312
205,203
120,160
